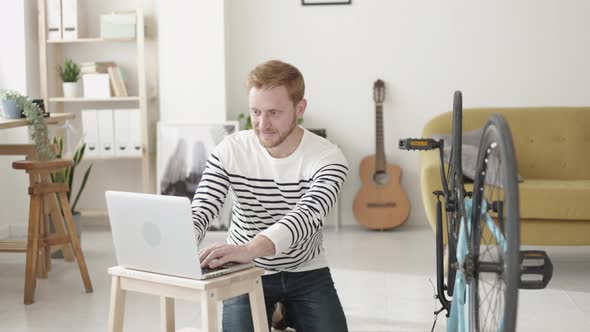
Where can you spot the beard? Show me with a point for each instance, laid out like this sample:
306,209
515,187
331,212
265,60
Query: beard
280,139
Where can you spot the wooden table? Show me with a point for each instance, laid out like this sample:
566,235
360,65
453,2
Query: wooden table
29,151
54,118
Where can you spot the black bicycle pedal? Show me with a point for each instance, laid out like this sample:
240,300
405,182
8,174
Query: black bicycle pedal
418,144
536,269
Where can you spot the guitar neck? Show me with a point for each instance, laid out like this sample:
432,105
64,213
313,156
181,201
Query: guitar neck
380,150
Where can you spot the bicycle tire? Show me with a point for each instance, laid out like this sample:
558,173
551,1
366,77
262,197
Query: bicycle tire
455,175
495,258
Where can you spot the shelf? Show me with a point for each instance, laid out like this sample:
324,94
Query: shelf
84,100
90,40
54,118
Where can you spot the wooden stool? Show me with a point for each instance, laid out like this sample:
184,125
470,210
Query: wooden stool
209,292
39,241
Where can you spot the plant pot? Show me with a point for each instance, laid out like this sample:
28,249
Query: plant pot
10,110
70,89
77,224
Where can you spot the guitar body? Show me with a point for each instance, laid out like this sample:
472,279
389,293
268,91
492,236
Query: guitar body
380,203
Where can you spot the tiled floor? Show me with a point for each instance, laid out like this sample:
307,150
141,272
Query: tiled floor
383,279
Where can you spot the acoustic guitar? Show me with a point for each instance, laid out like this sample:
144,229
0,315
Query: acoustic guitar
380,203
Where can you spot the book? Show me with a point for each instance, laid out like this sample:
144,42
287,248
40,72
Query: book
117,82
96,67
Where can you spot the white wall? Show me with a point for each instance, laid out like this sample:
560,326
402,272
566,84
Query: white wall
192,60
500,53
17,21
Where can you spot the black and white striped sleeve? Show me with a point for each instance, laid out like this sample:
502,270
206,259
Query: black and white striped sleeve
210,195
307,217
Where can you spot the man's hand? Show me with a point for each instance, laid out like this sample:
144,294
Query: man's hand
220,253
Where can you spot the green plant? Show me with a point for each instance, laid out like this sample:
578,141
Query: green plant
248,121
34,115
67,175
70,72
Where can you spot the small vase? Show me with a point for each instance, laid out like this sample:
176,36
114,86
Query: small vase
70,89
10,110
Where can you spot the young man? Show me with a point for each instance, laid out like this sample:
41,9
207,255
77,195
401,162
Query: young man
284,180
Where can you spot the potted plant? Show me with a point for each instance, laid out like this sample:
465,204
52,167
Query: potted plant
10,110
67,176
37,126
70,74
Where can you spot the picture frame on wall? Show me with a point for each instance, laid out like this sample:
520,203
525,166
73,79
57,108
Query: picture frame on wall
183,150
325,2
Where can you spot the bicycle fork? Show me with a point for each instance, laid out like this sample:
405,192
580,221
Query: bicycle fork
440,278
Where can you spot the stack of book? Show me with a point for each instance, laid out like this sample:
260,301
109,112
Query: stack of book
117,84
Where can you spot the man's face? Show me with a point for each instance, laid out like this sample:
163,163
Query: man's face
274,117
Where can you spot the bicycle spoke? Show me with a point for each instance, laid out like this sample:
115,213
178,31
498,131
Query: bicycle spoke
493,305
496,298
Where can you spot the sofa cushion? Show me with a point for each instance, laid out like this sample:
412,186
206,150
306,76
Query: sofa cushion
555,199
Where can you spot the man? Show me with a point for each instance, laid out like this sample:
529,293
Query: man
284,180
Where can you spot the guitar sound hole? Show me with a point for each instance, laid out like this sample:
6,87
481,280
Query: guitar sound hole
381,178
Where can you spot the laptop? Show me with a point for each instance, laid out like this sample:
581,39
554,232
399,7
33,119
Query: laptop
155,233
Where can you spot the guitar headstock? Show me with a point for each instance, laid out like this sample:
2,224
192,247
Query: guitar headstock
379,92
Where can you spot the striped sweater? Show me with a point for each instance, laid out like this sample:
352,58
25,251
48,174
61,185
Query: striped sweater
284,199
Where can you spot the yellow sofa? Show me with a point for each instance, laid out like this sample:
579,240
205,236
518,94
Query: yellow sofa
552,147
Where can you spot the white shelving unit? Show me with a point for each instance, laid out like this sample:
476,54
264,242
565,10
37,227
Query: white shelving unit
54,102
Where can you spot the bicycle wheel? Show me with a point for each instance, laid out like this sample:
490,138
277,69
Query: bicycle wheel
455,176
495,233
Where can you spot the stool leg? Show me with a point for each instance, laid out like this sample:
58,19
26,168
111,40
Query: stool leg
32,249
117,308
58,223
167,314
46,233
258,307
209,314
41,267
75,242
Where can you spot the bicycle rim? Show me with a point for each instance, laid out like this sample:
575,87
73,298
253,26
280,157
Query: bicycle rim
495,235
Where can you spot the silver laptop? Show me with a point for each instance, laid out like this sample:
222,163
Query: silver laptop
155,233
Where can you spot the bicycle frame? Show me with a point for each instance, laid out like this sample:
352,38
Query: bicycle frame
467,219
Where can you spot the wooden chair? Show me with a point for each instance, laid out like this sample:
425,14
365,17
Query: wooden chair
39,242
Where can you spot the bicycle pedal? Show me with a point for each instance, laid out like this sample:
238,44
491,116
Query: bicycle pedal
418,144
536,269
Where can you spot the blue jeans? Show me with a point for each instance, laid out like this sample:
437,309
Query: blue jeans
310,299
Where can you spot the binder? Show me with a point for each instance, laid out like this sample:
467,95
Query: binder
69,11
90,129
122,144
106,134
135,132
54,20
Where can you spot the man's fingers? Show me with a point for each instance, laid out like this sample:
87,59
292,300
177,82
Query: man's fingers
203,253
214,254
222,260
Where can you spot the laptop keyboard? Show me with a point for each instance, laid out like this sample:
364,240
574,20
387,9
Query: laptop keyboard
222,267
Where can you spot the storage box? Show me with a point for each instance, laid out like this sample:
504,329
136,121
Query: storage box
118,25
96,85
